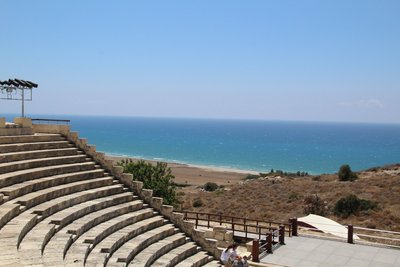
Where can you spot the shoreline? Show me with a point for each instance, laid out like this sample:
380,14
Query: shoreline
206,167
192,174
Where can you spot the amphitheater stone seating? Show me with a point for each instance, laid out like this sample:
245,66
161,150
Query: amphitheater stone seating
59,207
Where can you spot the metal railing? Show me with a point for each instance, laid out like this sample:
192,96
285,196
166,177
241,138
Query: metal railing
50,121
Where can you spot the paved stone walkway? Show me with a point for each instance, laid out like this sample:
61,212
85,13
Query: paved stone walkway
310,252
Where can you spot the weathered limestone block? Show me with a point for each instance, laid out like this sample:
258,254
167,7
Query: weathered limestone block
167,210
220,229
197,233
177,217
126,179
219,236
24,122
91,150
222,243
2,122
209,233
212,242
228,236
188,226
137,186
147,194
219,232
73,136
156,202
83,144
249,246
118,170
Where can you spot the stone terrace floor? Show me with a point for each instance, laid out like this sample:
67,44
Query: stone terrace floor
310,252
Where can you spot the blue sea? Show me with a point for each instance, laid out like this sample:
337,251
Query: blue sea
313,147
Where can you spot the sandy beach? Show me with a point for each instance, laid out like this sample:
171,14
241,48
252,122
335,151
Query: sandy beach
199,175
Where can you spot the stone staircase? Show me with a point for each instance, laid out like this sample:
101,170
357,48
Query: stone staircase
58,207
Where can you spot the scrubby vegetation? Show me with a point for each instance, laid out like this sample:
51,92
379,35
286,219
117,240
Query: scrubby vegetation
278,199
315,205
197,202
284,173
352,205
275,173
210,187
156,177
346,174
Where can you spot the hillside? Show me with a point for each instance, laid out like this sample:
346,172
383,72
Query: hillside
280,198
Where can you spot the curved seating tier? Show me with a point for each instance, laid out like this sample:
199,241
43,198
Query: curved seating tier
58,207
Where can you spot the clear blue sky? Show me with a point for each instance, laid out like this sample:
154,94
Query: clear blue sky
273,60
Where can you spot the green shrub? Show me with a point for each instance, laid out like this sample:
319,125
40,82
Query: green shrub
352,205
345,173
156,177
197,202
315,205
210,187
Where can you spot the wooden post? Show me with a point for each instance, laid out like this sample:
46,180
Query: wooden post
269,243
282,234
255,251
208,220
293,222
350,231
220,219
197,219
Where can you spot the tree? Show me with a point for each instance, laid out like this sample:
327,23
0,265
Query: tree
156,177
345,173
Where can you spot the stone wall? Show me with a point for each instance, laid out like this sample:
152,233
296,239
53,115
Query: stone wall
21,126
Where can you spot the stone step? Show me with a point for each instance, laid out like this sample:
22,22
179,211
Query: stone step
101,231
16,177
176,255
7,212
148,255
199,259
28,219
115,240
47,194
88,240
39,137
213,264
21,147
91,221
131,248
44,231
34,154
126,201
64,238
52,206
23,188
41,162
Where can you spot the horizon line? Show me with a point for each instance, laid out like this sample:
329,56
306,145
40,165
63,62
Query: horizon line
208,118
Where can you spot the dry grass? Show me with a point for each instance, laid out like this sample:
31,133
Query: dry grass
279,199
